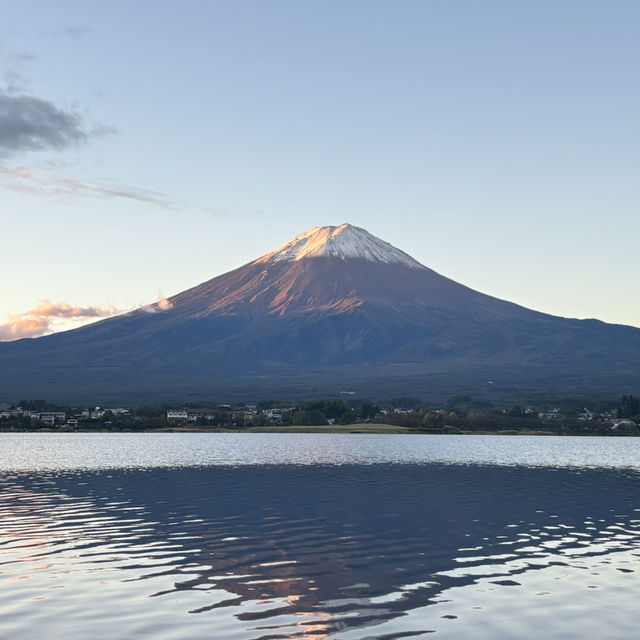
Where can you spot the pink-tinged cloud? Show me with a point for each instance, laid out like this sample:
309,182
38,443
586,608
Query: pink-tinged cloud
39,321
23,327
162,304
48,309
52,186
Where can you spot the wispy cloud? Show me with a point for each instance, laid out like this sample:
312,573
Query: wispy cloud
74,32
53,186
47,184
220,212
13,74
28,123
32,124
40,321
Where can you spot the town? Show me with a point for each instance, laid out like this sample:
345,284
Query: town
460,414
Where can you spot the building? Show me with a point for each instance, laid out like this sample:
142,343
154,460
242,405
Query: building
50,417
205,413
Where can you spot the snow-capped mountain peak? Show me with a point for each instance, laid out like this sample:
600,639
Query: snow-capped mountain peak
345,242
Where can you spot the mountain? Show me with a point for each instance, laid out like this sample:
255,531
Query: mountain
336,309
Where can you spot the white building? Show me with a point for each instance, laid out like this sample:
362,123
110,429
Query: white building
51,417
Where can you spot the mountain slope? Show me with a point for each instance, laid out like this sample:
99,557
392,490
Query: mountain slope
334,308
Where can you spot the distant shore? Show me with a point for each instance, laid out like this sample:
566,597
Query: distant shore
358,428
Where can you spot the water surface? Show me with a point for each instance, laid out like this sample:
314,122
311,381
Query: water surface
267,536
56,451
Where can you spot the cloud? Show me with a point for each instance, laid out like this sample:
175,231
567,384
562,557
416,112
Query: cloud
31,123
75,32
64,310
51,186
23,327
231,213
39,321
13,65
28,123
162,304
19,58
42,320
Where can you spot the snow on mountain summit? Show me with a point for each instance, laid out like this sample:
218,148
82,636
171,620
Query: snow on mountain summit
345,241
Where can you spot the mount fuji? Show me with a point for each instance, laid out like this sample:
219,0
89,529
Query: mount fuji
335,309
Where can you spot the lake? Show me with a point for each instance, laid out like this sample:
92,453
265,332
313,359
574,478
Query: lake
277,536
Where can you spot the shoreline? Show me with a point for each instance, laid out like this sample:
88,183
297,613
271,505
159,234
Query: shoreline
358,428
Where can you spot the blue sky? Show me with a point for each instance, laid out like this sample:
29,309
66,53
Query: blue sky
496,142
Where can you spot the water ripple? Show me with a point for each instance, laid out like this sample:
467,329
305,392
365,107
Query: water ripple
346,551
69,451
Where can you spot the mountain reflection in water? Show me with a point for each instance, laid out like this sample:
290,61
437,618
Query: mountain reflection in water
356,551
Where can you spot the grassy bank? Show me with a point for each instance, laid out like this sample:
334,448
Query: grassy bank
338,428
368,427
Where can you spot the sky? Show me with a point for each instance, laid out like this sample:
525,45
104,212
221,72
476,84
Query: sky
146,147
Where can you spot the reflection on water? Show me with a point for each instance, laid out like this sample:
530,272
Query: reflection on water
57,451
351,552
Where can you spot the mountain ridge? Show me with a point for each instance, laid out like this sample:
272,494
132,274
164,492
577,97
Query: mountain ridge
335,307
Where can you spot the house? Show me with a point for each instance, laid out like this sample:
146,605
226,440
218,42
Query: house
51,417
625,422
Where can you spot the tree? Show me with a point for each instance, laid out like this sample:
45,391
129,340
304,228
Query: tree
348,417
368,411
260,419
629,407
308,418
433,420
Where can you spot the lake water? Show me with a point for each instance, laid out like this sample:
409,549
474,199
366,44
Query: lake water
269,536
